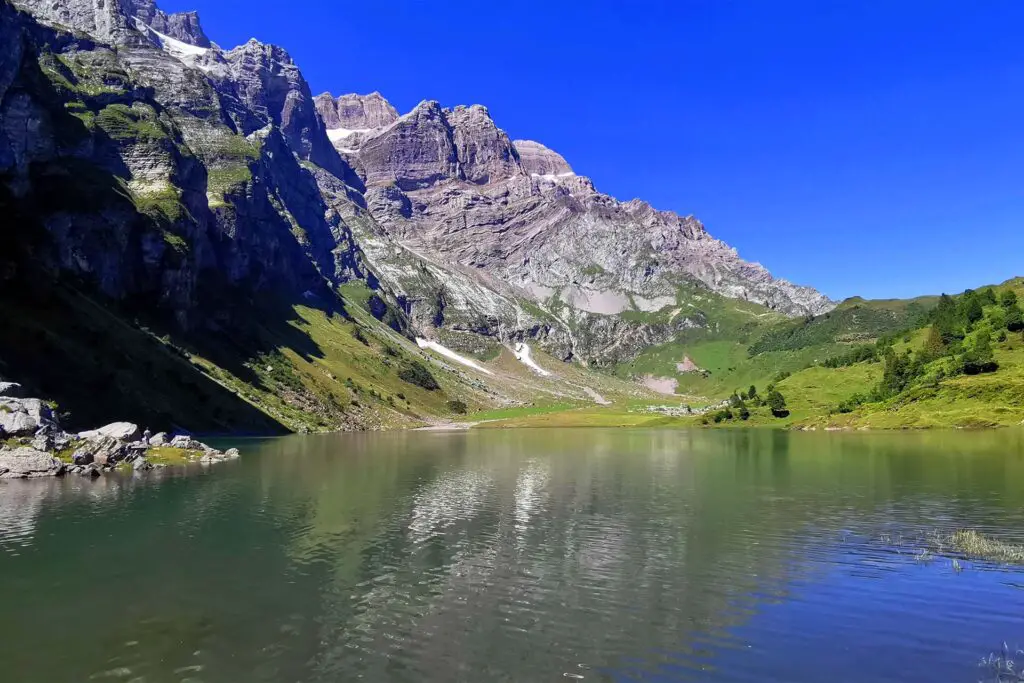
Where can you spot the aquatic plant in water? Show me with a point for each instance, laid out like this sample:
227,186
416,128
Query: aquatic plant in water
1002,666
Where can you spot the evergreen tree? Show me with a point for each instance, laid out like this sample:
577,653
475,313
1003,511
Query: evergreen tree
971,309
777,404
752,392
979,358
1014,319
1008,299
900,371
934,346
946,319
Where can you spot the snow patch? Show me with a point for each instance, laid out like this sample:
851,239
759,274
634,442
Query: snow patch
176,48
173,45
552,177
525,356
335,134
448,353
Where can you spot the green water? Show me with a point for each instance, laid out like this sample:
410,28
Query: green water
532,555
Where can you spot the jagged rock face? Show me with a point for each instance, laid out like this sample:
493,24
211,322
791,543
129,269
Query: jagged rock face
485,153
539,160
356,112
263,85
183,26
416,151
103,19
452,185
200,201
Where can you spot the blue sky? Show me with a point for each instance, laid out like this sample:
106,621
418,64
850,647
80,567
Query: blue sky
862,147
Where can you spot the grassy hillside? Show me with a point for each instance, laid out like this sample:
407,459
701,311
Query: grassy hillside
868,364
746,344
270,368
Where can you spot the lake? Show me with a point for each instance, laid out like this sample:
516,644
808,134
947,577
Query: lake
529,555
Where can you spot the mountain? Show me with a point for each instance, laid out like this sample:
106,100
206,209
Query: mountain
189,221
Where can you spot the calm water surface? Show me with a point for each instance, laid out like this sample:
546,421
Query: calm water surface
594,555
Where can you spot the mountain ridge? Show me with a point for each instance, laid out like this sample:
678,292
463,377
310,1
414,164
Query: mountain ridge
205,192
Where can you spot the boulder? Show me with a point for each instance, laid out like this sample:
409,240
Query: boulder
232,453
158,439
103,451
23,416
142,465
43,442
22,463
123,431
82,457
186,442
62,440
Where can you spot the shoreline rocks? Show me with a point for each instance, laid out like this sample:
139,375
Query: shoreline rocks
32,444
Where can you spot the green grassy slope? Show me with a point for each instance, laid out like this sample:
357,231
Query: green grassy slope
745,344
792,355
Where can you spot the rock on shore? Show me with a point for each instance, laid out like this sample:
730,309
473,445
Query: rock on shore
32,444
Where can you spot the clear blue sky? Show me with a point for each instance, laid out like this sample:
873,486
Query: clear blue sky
863,147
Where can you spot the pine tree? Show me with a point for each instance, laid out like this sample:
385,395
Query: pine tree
777,404
934,346
979,358
971,309
946,319
1014,319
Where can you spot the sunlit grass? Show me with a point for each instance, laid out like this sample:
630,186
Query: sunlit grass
973,544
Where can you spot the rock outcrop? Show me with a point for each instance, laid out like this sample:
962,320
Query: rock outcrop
539,160
32,444
183,26
356,112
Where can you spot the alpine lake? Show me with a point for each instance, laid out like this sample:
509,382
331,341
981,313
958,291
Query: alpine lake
528,555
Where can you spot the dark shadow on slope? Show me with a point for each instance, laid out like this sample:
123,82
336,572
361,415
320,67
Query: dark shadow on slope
65,345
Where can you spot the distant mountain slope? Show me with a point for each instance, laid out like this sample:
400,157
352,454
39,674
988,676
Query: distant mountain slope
451,184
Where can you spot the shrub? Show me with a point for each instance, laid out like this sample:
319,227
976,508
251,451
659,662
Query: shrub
458,407
415,373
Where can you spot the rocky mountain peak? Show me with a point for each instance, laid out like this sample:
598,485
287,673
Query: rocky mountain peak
539,160
183,26
356,112
484,151
261,84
